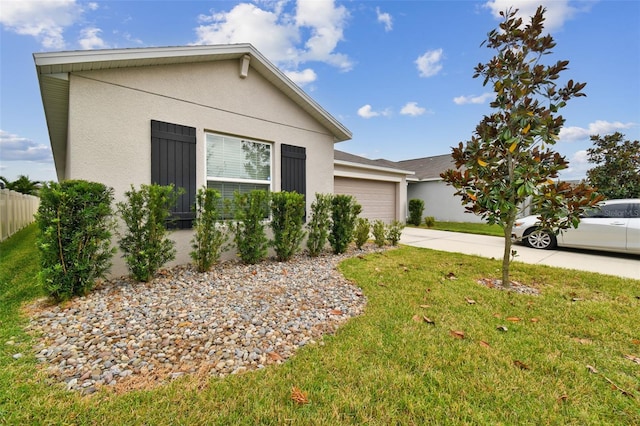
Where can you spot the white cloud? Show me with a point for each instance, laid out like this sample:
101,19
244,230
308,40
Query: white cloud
326,23
463,100
16,148
578,166
247,23
90,39
44,20
429,63
580,157
385,19
303,77
598,127
558,11
367,111
570,134
412,109
93,6
127,36
279,35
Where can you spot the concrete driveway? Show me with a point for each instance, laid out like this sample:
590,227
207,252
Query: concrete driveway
621,265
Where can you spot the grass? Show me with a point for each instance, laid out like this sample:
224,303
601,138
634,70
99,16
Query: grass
384,367
469,228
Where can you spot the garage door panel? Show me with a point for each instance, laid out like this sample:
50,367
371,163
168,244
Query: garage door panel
378,199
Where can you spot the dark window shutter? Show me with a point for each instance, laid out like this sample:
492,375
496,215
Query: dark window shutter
173,161
294,169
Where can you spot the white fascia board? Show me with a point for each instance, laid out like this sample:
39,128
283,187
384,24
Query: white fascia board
370,167
344,133
367,176
131,54
61,62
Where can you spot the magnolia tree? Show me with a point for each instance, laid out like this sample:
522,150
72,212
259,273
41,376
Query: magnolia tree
508,164
616,173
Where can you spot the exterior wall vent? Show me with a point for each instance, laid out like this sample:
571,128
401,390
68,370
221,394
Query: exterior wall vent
244,66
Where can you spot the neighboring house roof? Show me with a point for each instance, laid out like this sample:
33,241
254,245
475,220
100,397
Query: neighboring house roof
53,70
344,158
428,168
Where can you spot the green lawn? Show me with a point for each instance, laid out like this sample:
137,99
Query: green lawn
385,367
468,227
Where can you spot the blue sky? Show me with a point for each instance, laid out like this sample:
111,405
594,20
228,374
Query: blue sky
398,74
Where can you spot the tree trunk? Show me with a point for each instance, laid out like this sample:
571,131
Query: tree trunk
511,219
506,256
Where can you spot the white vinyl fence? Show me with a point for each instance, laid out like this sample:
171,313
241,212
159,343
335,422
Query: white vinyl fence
16,211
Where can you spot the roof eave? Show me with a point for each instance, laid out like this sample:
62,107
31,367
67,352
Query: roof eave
58,64
371,167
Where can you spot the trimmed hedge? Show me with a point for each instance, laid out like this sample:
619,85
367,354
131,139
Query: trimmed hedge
75,219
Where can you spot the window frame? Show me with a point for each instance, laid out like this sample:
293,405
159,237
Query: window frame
268,183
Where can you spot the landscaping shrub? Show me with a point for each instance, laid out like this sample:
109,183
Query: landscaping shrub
145,244
344,212
430,221
379,233
287,219
249,211
75,219
361,233
319,224
211,232
394,232
416,208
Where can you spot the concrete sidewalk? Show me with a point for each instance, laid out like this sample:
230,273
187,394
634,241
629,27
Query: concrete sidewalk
621,265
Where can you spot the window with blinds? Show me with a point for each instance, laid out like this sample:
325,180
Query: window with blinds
235,164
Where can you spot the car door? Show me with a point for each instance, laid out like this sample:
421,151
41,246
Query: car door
602,228
633,229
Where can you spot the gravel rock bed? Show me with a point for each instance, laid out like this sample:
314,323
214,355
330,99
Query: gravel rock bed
227,321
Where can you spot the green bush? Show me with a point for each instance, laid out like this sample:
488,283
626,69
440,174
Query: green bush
430,221
287,219
416,208
379,233
249,212
319,224
145,244
344,212
75,219
361,233
394,232
210,231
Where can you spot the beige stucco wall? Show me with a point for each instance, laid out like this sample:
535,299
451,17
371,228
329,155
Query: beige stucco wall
359,172
110,132
440,201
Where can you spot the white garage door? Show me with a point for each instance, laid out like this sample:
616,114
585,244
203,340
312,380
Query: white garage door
378,199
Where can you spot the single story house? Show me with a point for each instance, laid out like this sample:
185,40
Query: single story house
221,116
427,185
218,116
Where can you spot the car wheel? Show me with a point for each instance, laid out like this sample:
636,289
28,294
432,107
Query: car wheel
540,239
